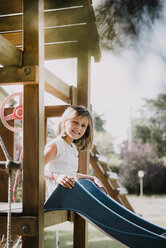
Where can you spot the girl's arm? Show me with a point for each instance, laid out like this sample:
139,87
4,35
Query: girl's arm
50,152
84,176
93,179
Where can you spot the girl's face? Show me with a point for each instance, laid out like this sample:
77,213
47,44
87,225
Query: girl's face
76,127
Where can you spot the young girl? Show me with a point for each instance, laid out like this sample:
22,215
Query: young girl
75,133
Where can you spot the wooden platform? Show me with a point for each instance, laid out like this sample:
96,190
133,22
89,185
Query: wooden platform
18,220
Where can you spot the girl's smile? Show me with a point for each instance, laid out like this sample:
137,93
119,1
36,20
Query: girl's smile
75,128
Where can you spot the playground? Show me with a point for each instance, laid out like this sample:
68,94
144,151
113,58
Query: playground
32,32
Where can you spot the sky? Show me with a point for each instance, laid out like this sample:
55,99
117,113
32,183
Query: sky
120,82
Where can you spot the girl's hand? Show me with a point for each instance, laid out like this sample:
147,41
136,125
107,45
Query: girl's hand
65,181
100,185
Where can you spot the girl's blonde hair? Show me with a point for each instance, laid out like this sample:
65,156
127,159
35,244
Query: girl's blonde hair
72,111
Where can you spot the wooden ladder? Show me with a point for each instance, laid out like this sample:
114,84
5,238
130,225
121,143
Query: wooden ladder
108,178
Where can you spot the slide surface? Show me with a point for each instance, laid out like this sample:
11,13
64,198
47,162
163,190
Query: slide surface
118,208
98,211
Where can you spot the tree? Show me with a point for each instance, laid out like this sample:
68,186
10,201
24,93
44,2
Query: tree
98,122
102,138
137,156
119,20
151,127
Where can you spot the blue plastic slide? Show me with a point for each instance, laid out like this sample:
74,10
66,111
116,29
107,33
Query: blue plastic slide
98,209
119,209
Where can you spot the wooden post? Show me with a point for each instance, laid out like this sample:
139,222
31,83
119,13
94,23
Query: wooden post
83,86
33,132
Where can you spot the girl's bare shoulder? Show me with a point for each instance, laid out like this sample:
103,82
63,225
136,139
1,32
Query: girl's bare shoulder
52,144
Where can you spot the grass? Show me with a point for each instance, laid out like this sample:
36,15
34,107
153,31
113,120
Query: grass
152,208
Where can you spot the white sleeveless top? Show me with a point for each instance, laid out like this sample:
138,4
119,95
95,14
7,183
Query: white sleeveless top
65,162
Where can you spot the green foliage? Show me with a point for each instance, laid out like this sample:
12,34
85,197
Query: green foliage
151,126
115,163
102,138
104,142
138,156
98,122
120,22
153,181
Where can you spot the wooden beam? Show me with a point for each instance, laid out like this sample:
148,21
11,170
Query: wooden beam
19,75
62,51
68,33
15,38
111,192
11,23
10,6
57,87
83,78
55,34
58,34
83,85
64,17
49,4
55,217
33,124
92,30
52,18
19,223
9,54
54,111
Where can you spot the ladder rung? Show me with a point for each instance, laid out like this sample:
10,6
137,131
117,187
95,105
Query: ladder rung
102,159
122,191
112,175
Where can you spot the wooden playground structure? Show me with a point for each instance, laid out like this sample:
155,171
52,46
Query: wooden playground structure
30,33
108,178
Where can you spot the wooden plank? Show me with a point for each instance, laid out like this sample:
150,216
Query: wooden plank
62,51
9,54
11,23
68,33
57,87
54,111
10,6
15,38
49,4
58,34
18,75
64,17
18,222
33,134
52,18
55,217
65,49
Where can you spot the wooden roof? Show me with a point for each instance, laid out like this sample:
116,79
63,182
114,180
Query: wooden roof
70,27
